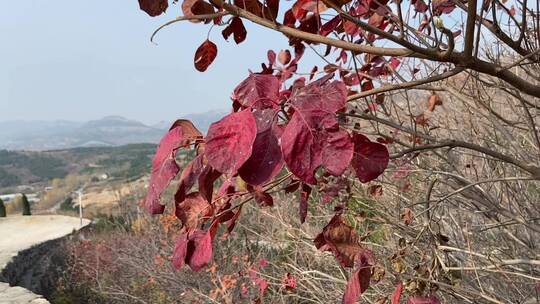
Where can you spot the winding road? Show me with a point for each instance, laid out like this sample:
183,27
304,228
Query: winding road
22,232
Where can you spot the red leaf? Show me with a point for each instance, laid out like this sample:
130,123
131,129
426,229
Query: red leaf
189,130
289,19
422,120
193,248
299,49
312,73
273,8
420,6
394,63
324,95
313,134
205,55
292,186
232,222
304,196
396,295
254,7
189,176
370,159
153,7
271,57
310,24
266,159
180,251
330,26
407,216
313,6
442,7
194,207
512,11
423,300
263,198
229,141
289,282
284,57
359,281
337,152
164,169
302,151
332,190
258,90
206,182
202,253
257,280
350,28
237,28
196,7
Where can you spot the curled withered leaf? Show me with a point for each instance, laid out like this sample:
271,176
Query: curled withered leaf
434,101
342,240
192,209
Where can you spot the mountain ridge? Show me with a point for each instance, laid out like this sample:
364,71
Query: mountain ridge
113,130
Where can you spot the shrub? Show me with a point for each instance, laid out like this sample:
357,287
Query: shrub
2,208
25,205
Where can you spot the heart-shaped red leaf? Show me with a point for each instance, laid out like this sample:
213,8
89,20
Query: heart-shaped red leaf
370,159
229,142
312,137
205,55
266,159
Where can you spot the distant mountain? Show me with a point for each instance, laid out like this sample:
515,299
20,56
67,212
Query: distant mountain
108,131
201,120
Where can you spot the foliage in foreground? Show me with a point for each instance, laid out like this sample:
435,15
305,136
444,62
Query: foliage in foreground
328,131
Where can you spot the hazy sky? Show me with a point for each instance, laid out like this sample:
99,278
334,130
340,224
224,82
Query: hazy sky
86,59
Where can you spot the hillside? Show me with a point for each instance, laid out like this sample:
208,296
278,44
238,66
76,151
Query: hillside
28,167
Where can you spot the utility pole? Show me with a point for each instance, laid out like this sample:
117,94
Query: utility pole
80,193
80,205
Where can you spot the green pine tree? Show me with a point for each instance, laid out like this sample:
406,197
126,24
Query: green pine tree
25,205
2,208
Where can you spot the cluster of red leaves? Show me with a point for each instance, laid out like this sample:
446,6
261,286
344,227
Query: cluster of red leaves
271,127
275,125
